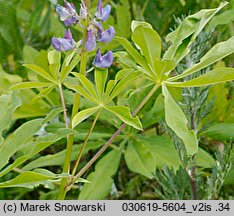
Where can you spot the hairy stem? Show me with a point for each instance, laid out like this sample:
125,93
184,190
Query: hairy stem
109,142
85,143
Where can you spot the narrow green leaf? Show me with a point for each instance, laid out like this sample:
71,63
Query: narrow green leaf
125,82
70,63
100,81
133,52
29,85
177,121
220,131
43,93
84,114
52,114
9,103
186,33
36,146
82,92
18,139
149,43
218,75
57,159
101,179
140,159
125,115
28,179
40,71
216,53
87,84
54,58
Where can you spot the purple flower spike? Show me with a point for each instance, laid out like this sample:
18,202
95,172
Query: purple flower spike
64,44
102,13
107,35
68,14
91,41
103,61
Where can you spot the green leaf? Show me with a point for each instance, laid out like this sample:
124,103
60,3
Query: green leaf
100,81
53,113
36,146
135,24
69,64
57,159
9,103
140,159
40,71
28,179
18,139
216,53
177,121
43,93
218,75
87,85
125,115
29,85
133,52
163,151
84,114
220,131
54,58
185,34
82,92
101,179
125,82
163,67
149,43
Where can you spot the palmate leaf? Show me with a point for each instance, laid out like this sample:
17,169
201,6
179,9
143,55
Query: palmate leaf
187,32
101,179
216,53
177,121
218,75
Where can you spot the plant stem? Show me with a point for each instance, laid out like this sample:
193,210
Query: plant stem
63,105
85,143
76,104
109,142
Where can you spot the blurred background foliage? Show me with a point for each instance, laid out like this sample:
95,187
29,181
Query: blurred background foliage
26,28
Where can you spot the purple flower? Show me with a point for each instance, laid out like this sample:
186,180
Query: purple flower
106,36
102,13
83,11
64,44
103,61
91,41
68,14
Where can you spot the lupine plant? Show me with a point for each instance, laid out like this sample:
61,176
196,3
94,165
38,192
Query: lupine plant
97,96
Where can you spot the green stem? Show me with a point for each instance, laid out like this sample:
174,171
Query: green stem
109,142
70,139
63,105
84,144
